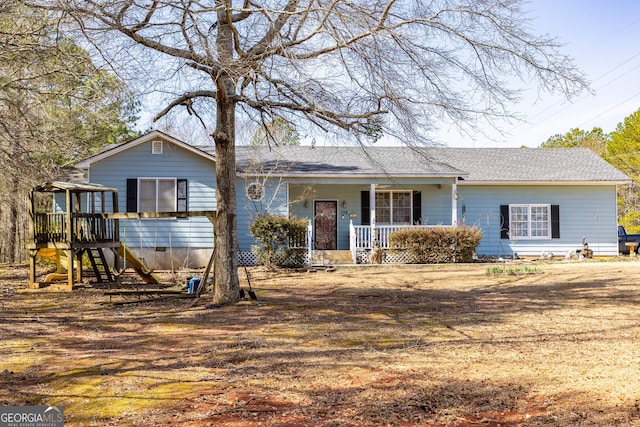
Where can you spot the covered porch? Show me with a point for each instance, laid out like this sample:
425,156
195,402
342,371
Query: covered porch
375,218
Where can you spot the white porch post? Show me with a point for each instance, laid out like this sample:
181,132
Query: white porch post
372,214
353,242
310,241
454,203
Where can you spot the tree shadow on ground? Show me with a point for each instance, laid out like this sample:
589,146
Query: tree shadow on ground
327,353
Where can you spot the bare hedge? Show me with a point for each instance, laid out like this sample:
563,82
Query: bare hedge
437,245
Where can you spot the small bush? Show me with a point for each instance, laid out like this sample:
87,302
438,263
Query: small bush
281,240
520,270
437,245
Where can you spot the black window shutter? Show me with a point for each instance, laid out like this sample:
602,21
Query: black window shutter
365,208
555,221
504,221
132,195
182,195
417,207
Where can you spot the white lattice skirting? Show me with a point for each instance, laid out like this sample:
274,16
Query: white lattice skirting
363,256
251,259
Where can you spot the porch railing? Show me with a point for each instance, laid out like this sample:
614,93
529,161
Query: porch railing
363,236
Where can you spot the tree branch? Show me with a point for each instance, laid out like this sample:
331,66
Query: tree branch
185,100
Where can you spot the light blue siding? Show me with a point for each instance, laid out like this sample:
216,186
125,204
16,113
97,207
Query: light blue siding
174,162
435,203
275,201
587,211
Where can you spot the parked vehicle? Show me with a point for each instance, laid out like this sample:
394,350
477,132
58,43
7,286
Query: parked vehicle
624,238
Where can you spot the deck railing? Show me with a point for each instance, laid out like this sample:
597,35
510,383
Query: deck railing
50,227
85,228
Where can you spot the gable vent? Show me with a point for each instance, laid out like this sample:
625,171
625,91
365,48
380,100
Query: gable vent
156,146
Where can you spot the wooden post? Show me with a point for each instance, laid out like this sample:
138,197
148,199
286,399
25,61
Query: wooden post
67,220
58,261
79,267
70,268
32,268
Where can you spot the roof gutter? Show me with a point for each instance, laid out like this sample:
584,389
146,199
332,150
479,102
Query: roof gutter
552,183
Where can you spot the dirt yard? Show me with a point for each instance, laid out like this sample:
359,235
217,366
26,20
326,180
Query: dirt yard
557,344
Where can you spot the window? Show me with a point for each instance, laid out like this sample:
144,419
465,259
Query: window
530,221
156,195
393,207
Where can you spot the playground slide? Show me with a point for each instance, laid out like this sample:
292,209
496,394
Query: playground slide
55,255
137,264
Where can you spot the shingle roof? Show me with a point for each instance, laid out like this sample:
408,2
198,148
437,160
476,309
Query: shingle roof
477,165
342,161
532,165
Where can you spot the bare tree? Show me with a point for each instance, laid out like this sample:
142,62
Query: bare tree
55,106
363,67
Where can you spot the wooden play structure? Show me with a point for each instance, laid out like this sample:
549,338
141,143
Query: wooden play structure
78,224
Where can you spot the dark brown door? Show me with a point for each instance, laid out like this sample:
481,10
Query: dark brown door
326,225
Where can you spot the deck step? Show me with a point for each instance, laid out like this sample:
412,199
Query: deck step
331,257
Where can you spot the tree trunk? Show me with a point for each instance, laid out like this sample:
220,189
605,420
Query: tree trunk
13,226
227,285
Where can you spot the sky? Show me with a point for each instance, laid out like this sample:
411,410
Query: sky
603,38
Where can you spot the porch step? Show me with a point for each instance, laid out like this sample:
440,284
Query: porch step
331,257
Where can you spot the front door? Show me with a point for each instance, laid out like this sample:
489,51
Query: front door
326,225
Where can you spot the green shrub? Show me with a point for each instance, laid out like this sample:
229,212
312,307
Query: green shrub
438,244
281,240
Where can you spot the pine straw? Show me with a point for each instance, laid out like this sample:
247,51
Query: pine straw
368,346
